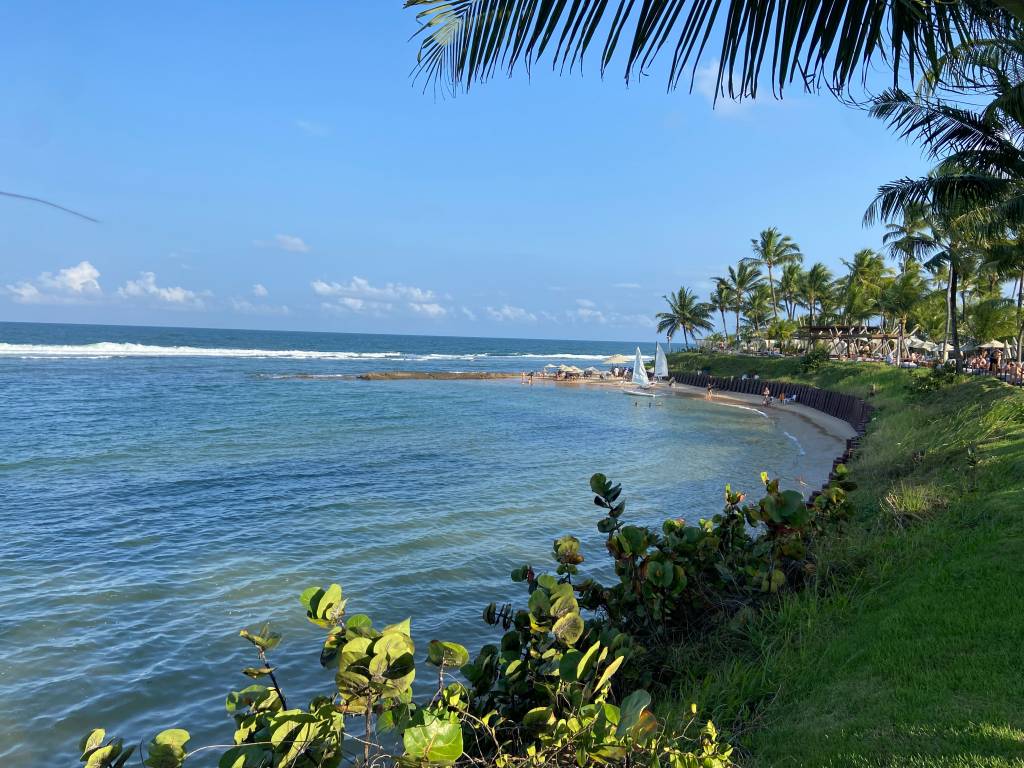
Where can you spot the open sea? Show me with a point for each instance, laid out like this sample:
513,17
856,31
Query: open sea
161,488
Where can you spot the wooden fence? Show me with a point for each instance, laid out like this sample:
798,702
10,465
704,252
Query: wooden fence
850,409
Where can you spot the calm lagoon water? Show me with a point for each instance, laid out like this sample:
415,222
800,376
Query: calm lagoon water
162,488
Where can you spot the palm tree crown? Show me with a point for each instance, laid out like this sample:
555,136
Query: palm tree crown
685,313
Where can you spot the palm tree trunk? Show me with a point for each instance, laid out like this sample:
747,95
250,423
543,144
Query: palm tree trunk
899,348
775,303
953,319
737,329
1020,318
725,327
946,340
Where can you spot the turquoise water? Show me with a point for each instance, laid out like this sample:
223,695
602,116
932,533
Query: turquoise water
162,488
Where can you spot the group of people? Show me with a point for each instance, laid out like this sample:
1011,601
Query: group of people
767,398
994,363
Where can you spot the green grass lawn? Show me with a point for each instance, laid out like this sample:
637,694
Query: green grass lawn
910,650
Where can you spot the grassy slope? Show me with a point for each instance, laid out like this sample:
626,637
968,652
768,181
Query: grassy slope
911,651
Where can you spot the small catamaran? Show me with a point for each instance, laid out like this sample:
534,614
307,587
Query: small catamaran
642,385
660,363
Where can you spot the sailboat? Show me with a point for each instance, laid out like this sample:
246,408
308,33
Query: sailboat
641,384
660,363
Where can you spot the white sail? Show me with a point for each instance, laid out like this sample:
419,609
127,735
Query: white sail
660,364
639,372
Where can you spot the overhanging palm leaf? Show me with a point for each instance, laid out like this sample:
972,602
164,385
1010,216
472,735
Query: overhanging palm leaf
468,41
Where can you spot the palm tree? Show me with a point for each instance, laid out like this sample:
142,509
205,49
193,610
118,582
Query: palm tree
904,240
816,285
976,189
1007,260
757,307
721,301
900,298
789,287
741,279
866,278
685,314
773,249
467,41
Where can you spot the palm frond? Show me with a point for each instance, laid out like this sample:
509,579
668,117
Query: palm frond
463,42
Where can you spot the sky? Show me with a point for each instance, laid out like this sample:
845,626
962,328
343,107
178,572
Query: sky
274,166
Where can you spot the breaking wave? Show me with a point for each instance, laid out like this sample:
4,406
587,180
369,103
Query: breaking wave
110,349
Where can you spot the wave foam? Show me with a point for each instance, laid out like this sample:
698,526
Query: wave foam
104,349
111,349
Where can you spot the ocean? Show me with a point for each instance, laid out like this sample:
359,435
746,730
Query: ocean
161,488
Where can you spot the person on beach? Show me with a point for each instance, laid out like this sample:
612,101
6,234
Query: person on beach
766,396
710,393
782,399
531,378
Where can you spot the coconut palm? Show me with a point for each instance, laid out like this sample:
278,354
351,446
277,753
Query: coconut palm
685,313
904,240
758,306
1007,260
740,280
721,301
773,249
815,289
817,44
900,298
789,287
864,282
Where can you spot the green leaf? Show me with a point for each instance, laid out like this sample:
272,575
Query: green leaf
539,718
569,628
264,638
631,709
438,742
449,654
257,672
402,627
598,484
606,676
167,749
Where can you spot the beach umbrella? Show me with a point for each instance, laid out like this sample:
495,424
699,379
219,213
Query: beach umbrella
617,360
994,344
913,342
550,365
591,369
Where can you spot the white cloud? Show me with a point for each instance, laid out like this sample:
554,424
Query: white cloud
247,307
588,315
362,288
626,286
469,313
259,290
26,293
71,284
430,310
81,278
313,128
146,287
289,243
353,304
507,312
585,303
705,82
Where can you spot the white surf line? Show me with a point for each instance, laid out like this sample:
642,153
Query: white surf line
743,408
799,447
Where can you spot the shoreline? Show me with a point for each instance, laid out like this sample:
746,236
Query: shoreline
819,438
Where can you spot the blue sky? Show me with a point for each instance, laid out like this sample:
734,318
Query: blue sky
272,165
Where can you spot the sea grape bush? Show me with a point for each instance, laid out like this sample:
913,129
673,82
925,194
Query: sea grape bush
552,691
688,573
